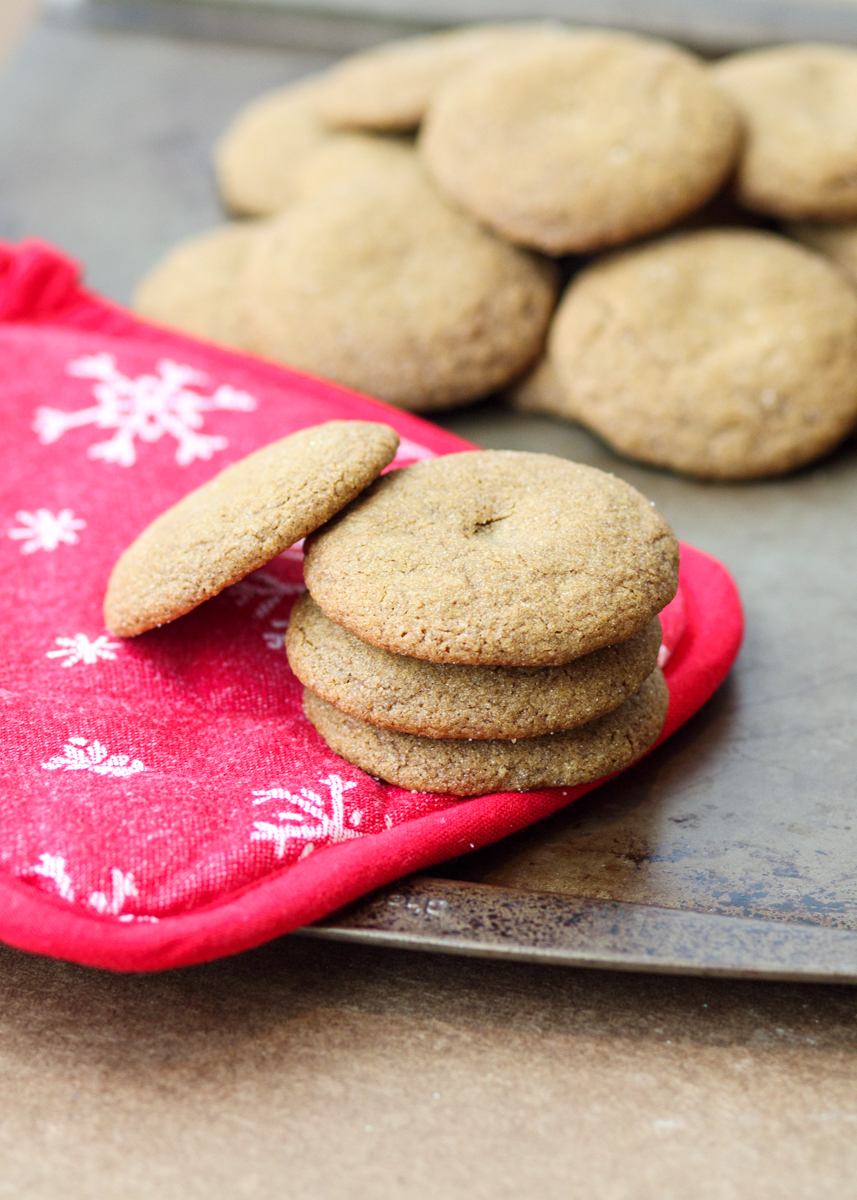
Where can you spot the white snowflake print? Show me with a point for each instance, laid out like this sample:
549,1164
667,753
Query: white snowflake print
266,590
42,530
122,887
52,866
321,828
79,649
81,755
145,408
275,637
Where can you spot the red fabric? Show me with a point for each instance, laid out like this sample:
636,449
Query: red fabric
164,801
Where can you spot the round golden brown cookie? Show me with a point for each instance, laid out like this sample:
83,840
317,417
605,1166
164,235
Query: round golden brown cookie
799,105
727,354
351,157
389,87
193,287
382,286
242,518
439,700
256,156
472,768
837,241
584,141
495,558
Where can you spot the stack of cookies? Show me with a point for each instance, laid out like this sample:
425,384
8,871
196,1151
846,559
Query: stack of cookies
487,621
480,622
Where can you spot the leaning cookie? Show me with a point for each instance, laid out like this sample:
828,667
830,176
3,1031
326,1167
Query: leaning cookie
494,558
255,158
382,286
388,88
436,700
193,287
582,141
726,354
472,768
241,519
799,107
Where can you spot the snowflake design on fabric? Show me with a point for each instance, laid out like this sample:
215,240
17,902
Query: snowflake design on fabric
322,828
79,649
79,754
52,866
145,408
266,590
123,886
42,530
275,637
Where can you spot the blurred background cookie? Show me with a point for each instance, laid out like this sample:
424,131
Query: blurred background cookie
728,354
581,141
837,241
799,107
389,87
194,287
255,158
382,286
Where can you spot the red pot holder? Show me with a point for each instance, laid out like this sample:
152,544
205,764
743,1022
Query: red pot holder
164,800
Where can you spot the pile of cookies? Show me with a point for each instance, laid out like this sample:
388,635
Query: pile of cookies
426,269
479,622
487,621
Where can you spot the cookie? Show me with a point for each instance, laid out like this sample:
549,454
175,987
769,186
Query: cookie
349,158
540,391
584,141
726,354
494,558
437,700
193,287
388,88
799,106
255,158
242,518
837,242
383,287
472,768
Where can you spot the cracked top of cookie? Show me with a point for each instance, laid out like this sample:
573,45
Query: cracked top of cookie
495,558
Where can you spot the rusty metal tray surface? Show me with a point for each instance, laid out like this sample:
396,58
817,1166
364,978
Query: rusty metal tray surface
731,849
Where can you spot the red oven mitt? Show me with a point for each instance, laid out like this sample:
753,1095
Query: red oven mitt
164,800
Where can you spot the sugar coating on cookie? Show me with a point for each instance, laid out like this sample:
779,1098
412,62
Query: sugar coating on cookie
727,354
440,700
193,287
382,286
799,107
242,518
584,141
837,241
495,558
389,87
472,768
256,156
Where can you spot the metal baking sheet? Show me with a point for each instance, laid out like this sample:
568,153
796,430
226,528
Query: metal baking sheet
731,848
